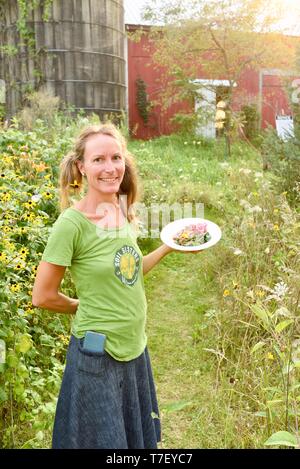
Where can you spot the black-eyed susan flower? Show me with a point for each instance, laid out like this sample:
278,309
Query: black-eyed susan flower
75,185
24,251
5,196
29,205
47,195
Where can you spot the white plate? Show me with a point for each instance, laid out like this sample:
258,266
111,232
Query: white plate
170,230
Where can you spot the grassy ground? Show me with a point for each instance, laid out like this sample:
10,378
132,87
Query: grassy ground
213,390
181,291
183,371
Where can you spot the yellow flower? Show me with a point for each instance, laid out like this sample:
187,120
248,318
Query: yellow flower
235,284
47,195
24,250
76,184
9,246
40,167
30,204
275,210
64,339
270,356
226,293
260,293
284,193
15,287
275,227
7,159
6,196
6,229
2,257
256,194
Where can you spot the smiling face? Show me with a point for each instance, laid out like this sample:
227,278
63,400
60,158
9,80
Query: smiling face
103,164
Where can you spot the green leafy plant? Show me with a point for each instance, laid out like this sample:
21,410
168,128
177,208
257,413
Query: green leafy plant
142,102
251,121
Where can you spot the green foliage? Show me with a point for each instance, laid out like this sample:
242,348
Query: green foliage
26,39
251,121
35,340
142,103
186,122
25,7
284,159
234,308
282,439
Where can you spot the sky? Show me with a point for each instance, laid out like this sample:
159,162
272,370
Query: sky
133,10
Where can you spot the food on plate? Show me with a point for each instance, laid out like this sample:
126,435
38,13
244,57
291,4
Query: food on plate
192,235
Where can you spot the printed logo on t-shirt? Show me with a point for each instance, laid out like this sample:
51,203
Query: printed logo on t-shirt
127,263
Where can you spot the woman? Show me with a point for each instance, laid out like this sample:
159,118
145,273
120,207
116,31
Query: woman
107,397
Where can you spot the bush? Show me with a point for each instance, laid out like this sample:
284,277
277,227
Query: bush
283,157
251,121
40,105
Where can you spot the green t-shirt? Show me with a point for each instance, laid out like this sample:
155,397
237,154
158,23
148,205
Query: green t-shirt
106,267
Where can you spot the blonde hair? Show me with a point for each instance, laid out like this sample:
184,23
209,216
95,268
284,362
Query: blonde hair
71,179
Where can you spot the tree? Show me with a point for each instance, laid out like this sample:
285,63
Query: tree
216,39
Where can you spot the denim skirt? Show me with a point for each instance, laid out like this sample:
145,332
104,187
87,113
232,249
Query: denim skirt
105,403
